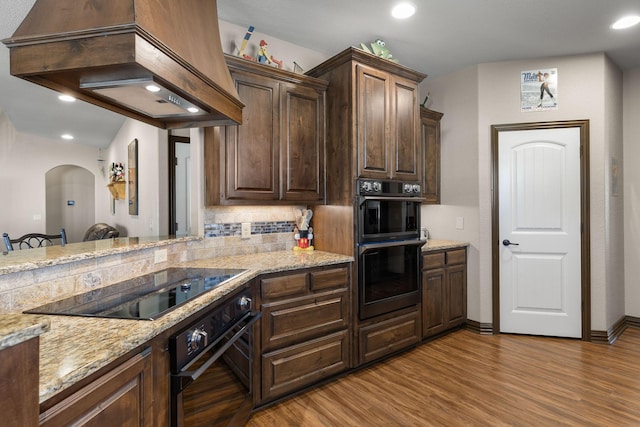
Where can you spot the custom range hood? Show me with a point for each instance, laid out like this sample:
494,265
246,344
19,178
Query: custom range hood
157,61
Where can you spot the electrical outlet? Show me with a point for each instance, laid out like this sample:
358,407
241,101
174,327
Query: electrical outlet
459,223
160,255
246,230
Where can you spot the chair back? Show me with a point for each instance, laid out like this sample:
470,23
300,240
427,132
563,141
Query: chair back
100,231
34,240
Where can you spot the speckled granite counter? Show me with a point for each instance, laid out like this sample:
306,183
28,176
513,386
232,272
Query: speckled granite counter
15,261
75,347
17,328
436,245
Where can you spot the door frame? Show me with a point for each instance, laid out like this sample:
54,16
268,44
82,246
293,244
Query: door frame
585,241
173,139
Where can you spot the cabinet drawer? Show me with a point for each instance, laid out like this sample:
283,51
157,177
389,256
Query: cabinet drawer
436,260
327,279
294,320
292,368
276,287
456,257
386,337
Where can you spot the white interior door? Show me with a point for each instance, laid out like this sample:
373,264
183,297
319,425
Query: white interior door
539,200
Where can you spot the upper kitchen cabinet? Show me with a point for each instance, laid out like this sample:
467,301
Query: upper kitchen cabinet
373,119
277,154
431,145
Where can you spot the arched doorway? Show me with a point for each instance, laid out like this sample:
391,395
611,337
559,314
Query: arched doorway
70,195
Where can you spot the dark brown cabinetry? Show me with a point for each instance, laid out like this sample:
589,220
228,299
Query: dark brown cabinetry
305,328
373,121
431,145
386,108
277,154
19,384
389,335
444,291
123,397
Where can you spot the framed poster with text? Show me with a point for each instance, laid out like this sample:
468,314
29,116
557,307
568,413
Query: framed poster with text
539,90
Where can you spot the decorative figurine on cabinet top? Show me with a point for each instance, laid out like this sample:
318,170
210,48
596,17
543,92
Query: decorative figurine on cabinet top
379,48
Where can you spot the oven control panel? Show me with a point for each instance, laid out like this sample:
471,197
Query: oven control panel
371,187
189,343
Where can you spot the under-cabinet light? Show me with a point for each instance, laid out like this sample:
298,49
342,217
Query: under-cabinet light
145,96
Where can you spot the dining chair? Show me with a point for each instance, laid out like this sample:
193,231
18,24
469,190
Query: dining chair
34,240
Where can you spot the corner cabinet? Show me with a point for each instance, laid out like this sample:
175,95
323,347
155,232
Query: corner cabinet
305,329
373,121
277,154
431,145
444,290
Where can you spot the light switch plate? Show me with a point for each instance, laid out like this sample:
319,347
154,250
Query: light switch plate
459,223
246,230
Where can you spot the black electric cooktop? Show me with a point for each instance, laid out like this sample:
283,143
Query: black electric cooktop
146,297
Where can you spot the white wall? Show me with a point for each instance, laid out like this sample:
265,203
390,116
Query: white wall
70,183
458,92
588,88
614,203
152,218
24,160
231,36
631,184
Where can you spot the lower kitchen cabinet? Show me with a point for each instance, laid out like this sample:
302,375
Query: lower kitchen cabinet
19,384
387,336
305,329
444,291
121,397
294,367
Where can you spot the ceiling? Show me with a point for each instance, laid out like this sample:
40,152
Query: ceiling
443,36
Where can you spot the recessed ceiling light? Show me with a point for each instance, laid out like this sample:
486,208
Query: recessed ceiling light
66,98
403,10
626,22
67,136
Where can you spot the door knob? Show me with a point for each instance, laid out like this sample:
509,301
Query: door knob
506,242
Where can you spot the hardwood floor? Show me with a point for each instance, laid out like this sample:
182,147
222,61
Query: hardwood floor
466,379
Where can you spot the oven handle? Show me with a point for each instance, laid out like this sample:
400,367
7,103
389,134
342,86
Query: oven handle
363,199
182,379
367,246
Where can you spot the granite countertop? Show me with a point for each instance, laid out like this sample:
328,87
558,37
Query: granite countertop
17,328
437,245
15,261
76,347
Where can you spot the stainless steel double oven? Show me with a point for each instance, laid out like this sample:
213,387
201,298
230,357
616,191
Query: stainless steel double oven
389,246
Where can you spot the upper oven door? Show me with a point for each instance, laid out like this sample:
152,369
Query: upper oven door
388,218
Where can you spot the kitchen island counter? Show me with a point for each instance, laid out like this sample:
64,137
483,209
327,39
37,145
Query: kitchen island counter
17,328
76,347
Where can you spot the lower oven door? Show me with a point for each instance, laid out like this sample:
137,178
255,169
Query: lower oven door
389,276
214,389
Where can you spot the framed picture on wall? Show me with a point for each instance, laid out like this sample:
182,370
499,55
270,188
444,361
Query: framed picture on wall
133,177
539,90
